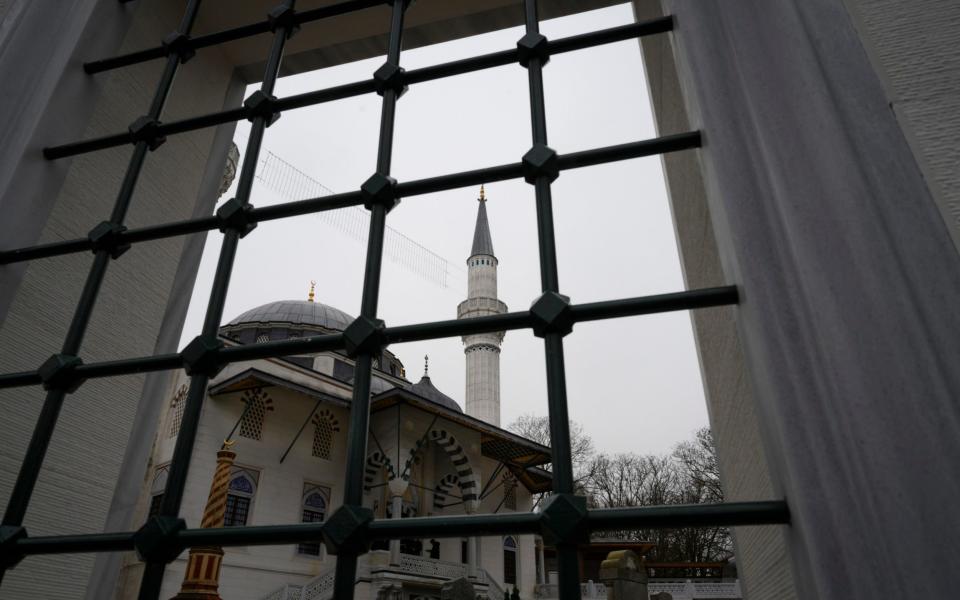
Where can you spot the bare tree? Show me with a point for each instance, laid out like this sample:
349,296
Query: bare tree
537,428
688,475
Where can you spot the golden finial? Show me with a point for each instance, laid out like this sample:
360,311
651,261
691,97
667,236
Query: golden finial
313,285
426,365
483,195
227,444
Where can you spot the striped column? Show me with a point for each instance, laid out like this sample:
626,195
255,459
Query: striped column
202,578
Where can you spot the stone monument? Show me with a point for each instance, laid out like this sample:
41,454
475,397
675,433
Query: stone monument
624,575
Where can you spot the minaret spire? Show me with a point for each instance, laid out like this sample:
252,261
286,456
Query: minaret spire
482,350
482,242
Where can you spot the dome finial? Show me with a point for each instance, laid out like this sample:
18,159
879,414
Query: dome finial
483,195
313,286
426,365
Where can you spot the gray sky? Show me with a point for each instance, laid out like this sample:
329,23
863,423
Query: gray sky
633,383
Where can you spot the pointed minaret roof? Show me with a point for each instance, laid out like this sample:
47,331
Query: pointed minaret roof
482,243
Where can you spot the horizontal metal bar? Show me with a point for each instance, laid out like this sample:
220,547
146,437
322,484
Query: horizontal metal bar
771,512
585,158
130,366
686,300
629,307
278,348
77,543
227,35
458,327
729,514
340,92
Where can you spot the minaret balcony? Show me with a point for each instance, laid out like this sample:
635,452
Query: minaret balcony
480,307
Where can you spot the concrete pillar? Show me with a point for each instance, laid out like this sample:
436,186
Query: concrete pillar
473,546
398,488
541,564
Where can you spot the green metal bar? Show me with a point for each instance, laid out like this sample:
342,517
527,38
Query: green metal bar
730,514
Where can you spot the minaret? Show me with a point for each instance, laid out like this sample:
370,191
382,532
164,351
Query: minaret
482,350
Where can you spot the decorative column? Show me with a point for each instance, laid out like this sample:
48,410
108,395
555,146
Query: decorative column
540,562
473,545
202,578
398,488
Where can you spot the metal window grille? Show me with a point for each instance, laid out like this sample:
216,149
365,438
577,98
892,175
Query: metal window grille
510,561
564,520
242,488
176,410
314,509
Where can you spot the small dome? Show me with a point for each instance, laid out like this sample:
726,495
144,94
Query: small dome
424,388
295,312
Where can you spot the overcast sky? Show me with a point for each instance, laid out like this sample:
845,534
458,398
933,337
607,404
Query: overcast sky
633,383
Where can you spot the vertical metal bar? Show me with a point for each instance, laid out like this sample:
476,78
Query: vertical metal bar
49,413
567,561
179,464
346,569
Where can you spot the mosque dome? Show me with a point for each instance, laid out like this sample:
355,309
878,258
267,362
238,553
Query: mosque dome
297,313
425,389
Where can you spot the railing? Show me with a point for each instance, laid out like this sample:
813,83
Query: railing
287,592
472,305
697,590
318,588
494,591
418,565
588,591
679,589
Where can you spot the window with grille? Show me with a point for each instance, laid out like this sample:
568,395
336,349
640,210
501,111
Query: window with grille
176,410
509,492
240,493
257,405
510,560
157,487
551,316
325,425
313,510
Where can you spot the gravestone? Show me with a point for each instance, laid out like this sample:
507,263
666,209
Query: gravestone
624,575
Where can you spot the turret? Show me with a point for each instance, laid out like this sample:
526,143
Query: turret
482,351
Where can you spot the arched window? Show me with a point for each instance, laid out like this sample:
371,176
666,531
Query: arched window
313,510
324,426
259,404
510,560
176,410
157,488
240,493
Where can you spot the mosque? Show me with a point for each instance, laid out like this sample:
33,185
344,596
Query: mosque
287,424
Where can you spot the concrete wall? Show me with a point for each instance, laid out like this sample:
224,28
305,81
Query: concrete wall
105,428
822,217
914,45
763,564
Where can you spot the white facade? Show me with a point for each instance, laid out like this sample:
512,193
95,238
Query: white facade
419,440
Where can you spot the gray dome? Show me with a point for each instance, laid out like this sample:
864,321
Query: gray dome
296,312
425,389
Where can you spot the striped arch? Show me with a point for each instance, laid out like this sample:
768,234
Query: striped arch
466,478
375,462
441,492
